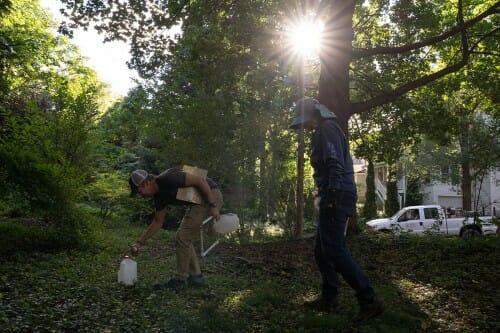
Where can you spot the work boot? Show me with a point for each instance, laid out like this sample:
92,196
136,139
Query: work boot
322,304
197,280
172,284
369,310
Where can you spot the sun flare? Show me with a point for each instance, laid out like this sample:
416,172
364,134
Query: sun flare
305,38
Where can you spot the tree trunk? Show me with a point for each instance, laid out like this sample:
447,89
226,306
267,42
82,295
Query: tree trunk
272,182
263,185
466,187
299,224
465,152
335,58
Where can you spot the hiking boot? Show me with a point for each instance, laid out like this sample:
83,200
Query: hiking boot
172,284
322,304
197,280
369,310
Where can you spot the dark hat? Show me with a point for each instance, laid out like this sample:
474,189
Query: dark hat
309,105
136,179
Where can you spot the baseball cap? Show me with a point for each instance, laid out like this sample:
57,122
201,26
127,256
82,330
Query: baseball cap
136,179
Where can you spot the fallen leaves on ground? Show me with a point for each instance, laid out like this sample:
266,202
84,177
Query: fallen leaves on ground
429,284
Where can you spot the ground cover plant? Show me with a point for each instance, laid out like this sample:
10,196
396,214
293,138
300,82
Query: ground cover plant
429,284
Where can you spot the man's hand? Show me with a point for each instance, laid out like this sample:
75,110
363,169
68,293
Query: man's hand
330,199
134,248
214,212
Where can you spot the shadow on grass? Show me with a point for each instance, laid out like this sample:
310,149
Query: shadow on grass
427,284
269,282
452,281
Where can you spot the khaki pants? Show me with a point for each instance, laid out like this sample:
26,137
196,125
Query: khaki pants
187,259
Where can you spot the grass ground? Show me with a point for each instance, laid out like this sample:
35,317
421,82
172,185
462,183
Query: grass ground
431,284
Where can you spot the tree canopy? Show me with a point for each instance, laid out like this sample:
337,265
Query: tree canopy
218,83
213,66
49,103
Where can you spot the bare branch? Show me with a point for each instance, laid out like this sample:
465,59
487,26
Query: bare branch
459,28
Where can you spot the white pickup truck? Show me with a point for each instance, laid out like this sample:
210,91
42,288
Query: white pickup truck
425,219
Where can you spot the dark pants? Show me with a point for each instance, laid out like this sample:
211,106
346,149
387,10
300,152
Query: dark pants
331,255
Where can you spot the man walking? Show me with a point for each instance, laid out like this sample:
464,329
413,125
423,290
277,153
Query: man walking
334,178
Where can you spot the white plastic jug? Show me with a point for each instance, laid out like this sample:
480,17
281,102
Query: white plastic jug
128,271
227,223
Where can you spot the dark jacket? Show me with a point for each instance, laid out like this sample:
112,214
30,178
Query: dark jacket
331,159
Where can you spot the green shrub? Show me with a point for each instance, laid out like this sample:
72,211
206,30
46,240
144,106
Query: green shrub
15,237
414,195
370,206
75,229
47,187
391,202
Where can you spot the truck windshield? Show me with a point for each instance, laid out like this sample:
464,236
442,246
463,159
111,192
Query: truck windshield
397,214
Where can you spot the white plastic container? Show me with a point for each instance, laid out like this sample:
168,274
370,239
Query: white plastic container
128,272
227,223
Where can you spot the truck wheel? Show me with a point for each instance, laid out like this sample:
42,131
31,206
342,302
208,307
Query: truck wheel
470,234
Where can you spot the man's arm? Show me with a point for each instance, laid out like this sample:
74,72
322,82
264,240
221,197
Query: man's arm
202,184
151,230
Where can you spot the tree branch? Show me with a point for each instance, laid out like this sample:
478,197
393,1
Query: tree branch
483,37
361,53
487,53
398,92
401,90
